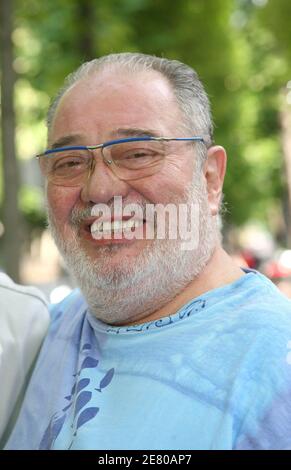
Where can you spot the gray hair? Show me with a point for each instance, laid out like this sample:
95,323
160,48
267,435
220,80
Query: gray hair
187,88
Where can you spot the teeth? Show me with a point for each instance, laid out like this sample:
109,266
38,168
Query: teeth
115,226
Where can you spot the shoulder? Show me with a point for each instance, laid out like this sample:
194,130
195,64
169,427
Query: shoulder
23,310
265,305
260,348
259,317
255,300
19,294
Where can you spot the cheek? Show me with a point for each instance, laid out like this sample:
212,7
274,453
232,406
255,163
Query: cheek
61,202
167,185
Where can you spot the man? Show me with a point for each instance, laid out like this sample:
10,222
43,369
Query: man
170,345
24,321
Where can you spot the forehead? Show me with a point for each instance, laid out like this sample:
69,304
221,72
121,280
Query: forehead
113,99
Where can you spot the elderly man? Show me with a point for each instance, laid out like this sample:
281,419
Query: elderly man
169,345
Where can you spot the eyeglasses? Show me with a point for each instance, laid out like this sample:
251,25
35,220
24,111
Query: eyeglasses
129,159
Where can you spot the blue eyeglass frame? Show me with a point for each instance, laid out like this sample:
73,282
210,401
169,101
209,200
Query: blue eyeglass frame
120,141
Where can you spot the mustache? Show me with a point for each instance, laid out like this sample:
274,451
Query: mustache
78,216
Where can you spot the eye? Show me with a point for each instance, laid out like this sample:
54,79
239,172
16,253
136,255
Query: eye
69,163
135,159
137,153
144,151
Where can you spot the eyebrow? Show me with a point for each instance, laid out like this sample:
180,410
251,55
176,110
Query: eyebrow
66,140
134,132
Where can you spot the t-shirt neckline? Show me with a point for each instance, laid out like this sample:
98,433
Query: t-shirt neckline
192,307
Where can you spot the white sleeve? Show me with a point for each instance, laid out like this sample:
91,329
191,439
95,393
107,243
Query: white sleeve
24,320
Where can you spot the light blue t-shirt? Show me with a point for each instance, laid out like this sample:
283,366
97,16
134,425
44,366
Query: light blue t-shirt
215,375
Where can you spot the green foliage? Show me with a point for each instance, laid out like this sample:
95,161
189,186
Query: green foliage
30,202
276,17
240,50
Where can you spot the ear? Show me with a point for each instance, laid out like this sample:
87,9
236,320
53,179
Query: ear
214,171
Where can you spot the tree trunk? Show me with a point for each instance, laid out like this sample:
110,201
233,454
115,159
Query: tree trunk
85,36
11,215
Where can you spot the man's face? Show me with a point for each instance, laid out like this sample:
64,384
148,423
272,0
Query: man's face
100,110
97,110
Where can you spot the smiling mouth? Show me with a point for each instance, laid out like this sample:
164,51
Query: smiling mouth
115,227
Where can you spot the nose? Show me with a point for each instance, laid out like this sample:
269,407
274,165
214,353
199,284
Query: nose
102,184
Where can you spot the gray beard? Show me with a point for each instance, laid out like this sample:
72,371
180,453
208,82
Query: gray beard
130,291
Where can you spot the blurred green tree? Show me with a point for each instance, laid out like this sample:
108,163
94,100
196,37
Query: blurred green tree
11,215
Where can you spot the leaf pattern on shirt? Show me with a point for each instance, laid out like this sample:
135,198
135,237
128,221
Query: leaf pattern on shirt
106,380
85,416
52,431
82,401
80,398
88,363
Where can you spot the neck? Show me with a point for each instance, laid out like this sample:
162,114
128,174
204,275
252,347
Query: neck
219,271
